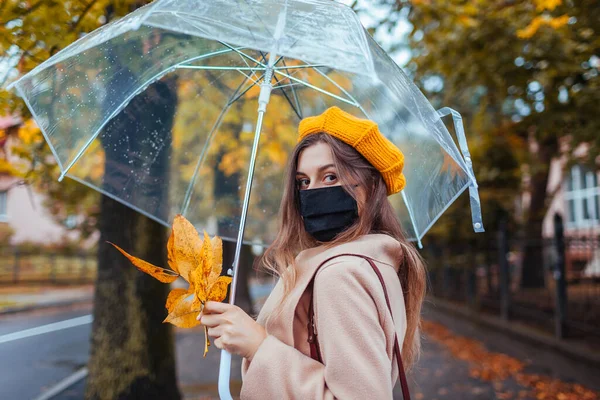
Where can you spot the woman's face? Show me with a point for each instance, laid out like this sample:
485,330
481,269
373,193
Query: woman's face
316,169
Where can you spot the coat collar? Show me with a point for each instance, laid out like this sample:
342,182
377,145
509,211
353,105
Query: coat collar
382,248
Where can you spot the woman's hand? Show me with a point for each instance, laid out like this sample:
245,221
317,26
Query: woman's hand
232,329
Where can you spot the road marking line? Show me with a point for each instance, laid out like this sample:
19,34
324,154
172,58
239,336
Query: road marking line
63,385
40,330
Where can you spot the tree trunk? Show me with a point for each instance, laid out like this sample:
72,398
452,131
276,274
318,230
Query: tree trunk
132,351
532,271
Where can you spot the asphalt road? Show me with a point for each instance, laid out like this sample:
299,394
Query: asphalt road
30,365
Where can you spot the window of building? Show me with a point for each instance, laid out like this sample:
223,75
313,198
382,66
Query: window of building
3,206
582,194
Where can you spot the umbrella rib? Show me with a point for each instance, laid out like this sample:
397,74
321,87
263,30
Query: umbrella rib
243,93
318,89
298,114
208,67
344,91
288,85
294,92
248,77
188,194
305,66
287,98
248,65
243,54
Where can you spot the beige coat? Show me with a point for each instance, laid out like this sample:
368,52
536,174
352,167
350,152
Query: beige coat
353,324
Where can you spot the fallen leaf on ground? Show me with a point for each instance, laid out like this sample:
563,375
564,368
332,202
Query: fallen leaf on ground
497,367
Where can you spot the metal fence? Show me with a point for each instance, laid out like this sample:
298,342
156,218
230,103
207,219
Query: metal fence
488,279
19,266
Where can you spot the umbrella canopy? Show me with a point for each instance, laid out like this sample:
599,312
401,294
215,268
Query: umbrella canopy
157,110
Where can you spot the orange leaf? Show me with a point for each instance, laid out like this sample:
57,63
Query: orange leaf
186,246
218,290
173,298
171,252
163,275
183,312
217,245
207,259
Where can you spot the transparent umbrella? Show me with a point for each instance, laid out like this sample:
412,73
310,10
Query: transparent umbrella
165,110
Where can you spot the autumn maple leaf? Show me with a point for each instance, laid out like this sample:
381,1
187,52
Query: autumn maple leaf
199,262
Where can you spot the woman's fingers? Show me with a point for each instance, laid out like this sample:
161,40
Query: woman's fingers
216,307
211,320
215,332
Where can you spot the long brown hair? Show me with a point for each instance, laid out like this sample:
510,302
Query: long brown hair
378,217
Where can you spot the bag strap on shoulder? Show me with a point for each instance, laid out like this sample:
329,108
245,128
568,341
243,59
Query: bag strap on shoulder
315,351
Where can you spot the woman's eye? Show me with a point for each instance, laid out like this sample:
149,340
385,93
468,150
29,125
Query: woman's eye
330,178
303,182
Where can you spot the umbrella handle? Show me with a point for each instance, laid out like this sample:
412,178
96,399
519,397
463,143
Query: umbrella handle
224,372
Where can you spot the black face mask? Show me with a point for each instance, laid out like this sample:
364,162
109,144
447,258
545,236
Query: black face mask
327,211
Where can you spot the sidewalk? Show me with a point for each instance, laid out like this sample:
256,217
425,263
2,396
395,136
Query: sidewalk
15,299
460,360
480,362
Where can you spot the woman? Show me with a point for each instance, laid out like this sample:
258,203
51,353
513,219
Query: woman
334,203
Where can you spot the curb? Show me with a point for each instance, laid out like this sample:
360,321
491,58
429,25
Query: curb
573,350
35,307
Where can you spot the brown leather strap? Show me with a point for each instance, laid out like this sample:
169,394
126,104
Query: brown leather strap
315,351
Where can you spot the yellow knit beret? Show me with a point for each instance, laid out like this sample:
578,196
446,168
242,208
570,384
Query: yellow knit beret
364,136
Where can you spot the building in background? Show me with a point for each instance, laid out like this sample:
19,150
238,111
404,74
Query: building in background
576,197
21,208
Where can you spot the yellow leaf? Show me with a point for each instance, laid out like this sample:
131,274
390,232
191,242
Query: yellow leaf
218,290
537,22
174,295
207,259
186,246
171,252
183,314
163,275
550,5
217,245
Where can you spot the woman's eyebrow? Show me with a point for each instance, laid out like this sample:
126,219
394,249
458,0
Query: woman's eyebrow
321,169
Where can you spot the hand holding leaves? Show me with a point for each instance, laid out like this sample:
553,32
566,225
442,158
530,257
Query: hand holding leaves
197,261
